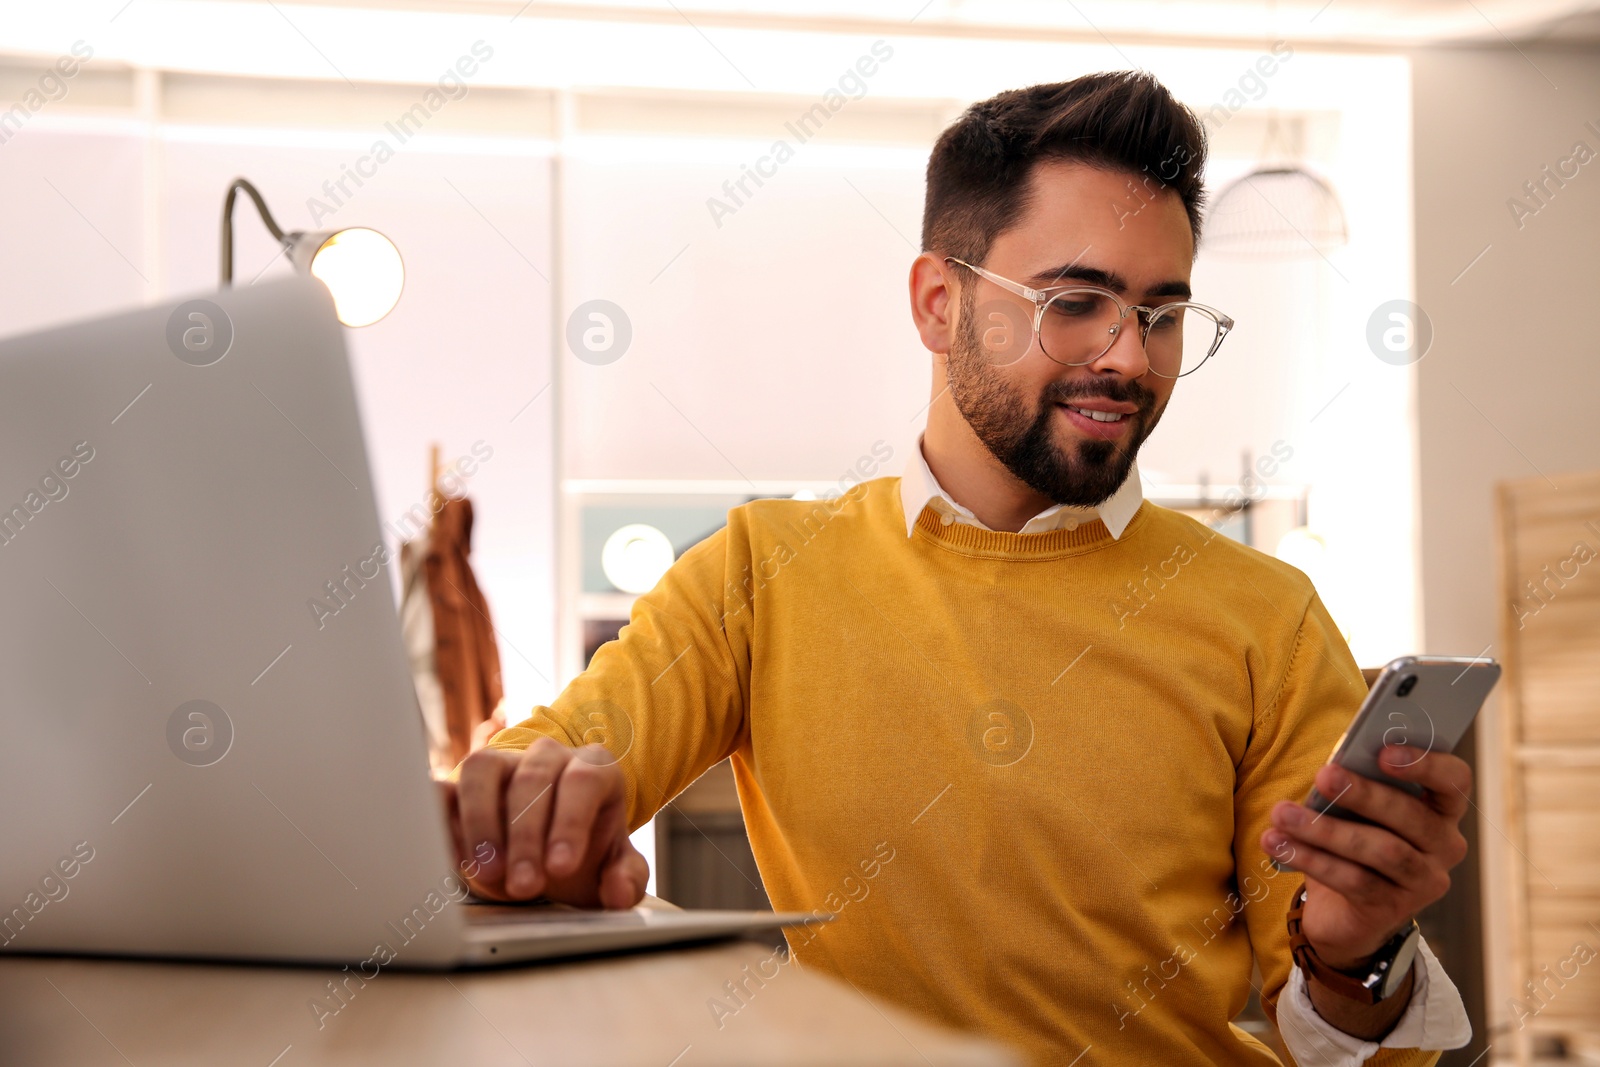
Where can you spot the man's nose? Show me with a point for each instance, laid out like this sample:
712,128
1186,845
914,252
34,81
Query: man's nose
1126,355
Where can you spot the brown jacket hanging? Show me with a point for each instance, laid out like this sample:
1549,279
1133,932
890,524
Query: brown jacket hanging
465,655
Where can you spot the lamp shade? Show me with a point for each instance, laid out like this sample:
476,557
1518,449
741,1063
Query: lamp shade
1282,211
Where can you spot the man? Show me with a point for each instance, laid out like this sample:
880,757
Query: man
1036,740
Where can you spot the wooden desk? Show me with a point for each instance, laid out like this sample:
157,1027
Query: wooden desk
648,1009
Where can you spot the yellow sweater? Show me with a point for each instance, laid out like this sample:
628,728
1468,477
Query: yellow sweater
1029,771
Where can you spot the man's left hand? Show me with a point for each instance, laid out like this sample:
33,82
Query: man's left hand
1366,883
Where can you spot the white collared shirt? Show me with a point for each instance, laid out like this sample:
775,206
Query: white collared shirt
918,488
1435,1018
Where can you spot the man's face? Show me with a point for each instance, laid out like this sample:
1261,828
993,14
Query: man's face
1083,226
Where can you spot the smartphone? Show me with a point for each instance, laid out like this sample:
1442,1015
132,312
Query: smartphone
1425,702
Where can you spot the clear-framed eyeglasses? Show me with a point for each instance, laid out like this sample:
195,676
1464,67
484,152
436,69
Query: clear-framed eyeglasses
1077,324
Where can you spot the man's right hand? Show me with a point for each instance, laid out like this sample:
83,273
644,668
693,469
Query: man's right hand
554,819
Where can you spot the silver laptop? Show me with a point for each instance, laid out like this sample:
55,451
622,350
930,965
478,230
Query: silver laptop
194,763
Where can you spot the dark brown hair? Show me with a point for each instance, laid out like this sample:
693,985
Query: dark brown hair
1123,120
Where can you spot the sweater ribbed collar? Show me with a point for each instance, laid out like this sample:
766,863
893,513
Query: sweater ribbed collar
979,541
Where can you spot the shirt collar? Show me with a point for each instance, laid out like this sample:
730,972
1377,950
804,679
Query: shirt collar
918,488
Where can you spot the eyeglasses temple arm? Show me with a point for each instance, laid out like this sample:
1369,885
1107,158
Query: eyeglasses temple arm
1007,284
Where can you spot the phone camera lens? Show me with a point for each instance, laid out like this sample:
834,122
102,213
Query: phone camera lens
1407,684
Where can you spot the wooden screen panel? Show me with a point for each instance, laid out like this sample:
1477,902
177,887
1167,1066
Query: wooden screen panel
1563,844
1551,543
1549,548
1566,988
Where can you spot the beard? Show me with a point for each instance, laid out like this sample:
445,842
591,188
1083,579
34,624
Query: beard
1023,438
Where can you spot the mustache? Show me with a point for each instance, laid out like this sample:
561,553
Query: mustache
1127,392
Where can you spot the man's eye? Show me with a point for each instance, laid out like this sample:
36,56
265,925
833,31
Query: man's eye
1074,307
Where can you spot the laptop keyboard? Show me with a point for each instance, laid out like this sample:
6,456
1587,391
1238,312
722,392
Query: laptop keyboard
522,914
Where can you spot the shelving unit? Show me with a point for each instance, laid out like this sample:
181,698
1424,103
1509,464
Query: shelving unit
1549,548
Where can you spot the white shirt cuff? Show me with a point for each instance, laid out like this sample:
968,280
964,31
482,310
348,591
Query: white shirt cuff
1435,1019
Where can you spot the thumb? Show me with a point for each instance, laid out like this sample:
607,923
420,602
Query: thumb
624,876
449,803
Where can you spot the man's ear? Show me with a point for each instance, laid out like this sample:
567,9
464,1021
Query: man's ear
934,300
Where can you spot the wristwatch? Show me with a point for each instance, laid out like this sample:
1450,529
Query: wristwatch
1385,974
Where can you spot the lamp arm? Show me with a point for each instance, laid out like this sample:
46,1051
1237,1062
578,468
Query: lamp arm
227,224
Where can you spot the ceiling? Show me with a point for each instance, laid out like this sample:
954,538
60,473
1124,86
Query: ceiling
1353,22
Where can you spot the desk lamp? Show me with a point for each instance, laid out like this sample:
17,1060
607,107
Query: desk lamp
360,267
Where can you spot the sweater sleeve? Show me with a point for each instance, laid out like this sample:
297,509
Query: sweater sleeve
668,696
1296,726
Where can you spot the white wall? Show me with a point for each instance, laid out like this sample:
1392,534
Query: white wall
782,336
465,350
74,225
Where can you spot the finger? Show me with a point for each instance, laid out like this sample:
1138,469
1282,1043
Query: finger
1358,884
1420,825
589,782
624,877
1446,777
478,794
528,803
1374,847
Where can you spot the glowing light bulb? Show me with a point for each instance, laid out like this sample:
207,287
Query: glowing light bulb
363,272
635,557
1302,548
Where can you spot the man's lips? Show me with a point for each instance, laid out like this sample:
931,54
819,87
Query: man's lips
1102,405
1099,418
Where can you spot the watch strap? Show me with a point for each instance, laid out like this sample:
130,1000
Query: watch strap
1368,990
